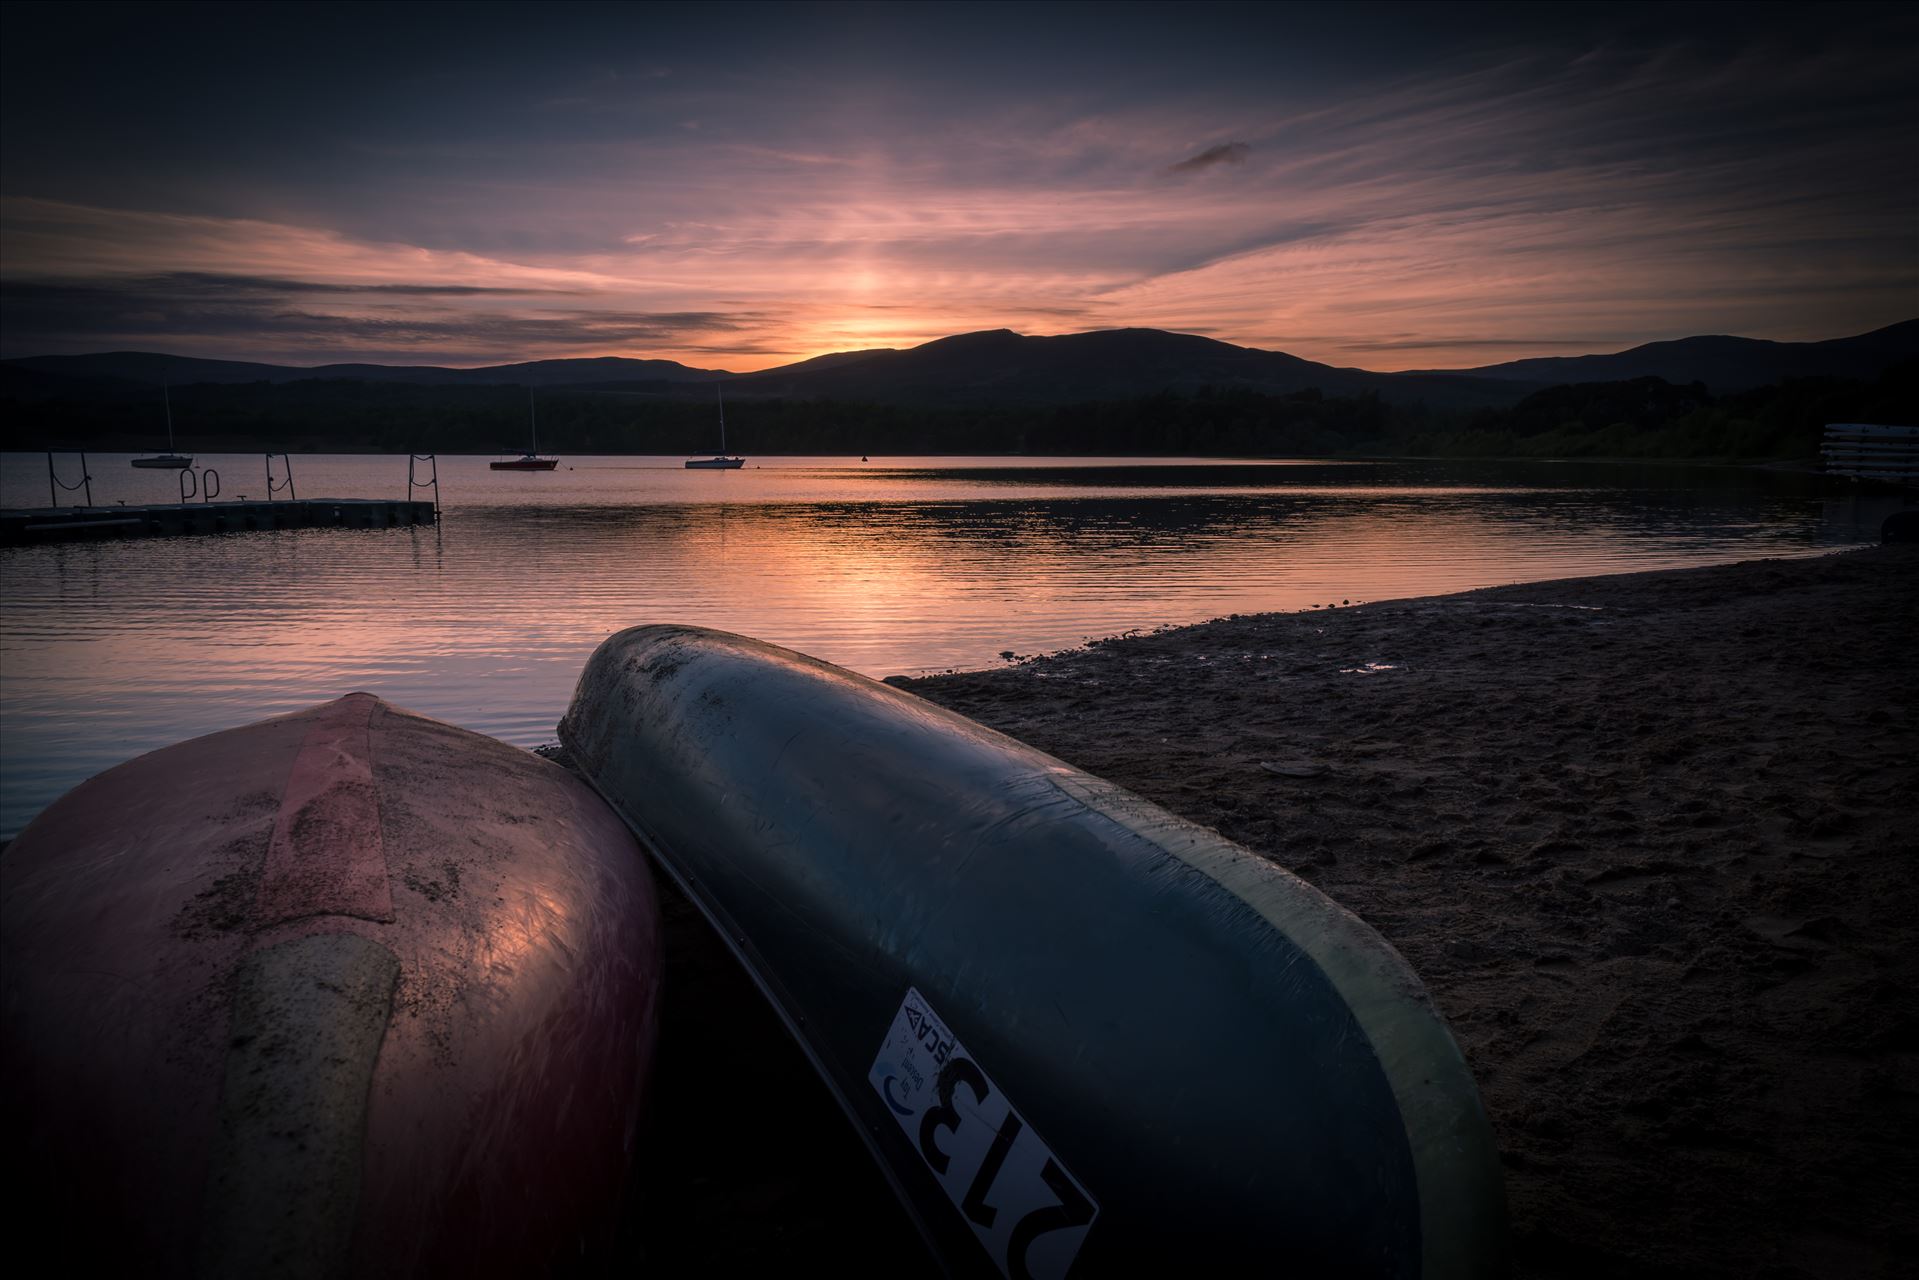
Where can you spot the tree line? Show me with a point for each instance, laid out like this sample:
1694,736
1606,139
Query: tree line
1645,418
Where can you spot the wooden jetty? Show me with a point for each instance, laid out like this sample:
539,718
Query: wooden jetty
1872,451
166,519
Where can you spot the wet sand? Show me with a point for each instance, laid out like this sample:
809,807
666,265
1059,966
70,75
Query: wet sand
1650,840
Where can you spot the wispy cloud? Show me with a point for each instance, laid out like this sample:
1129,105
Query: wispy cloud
1224,153
212,285
190,312
1465,344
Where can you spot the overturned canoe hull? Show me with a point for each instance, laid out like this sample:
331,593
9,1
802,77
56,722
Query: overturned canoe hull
348,992
1079,1034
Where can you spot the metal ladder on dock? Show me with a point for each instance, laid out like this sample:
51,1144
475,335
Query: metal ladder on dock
206,488
432,480
55,483
273,486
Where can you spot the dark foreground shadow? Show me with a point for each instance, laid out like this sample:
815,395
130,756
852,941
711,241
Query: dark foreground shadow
743,1158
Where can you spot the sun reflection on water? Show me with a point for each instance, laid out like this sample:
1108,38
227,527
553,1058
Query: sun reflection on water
113,648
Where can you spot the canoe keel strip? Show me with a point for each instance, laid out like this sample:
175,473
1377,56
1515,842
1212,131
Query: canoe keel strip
1079,1034
328,854
348,992
308,1018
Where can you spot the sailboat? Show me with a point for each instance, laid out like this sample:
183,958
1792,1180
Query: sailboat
168,461
531,459
721,463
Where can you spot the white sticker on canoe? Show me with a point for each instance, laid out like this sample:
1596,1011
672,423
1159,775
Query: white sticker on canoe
1030,1213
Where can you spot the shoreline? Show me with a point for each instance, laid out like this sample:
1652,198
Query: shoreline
1808,464
1644,836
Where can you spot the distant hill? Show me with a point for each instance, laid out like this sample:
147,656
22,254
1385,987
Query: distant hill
152,367
827,361
997,367
1000,367
1723,363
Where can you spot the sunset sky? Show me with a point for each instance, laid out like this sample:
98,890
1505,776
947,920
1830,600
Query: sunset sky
743,186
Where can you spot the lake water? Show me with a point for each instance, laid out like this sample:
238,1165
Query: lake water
110,649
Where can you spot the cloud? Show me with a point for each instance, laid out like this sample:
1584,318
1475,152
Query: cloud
1465,344
214,283
49,239
212,286
189,313
1224,153
537,334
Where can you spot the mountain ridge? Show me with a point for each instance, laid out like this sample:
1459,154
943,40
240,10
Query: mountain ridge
1724,362
1002,367
152,366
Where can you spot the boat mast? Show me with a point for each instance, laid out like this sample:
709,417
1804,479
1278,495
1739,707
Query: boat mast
532,425
167,399
721,389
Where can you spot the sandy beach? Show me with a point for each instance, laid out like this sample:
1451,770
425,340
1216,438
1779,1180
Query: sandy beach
1650,841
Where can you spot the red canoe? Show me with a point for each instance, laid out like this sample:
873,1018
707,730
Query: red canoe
344,992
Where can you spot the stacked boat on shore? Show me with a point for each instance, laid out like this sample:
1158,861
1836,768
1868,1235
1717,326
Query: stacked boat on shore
357,987
347,992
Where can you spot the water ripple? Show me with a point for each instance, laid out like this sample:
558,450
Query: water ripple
110,649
